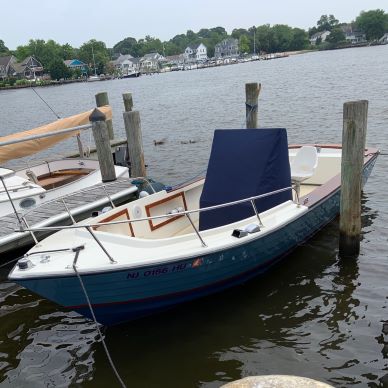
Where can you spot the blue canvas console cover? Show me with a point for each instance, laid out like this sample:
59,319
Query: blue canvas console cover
244,163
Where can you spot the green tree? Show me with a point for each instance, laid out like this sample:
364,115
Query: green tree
336,36
264,37
327,23
126,46
3,49
374,23
299,39
243,44
58,69
44,51
101,55
68,52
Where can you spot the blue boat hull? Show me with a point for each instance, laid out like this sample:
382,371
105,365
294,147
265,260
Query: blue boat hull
119,296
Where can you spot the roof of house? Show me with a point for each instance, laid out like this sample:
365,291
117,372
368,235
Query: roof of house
123,58
4,61
171,58
74,62
151,56
227,41
319,34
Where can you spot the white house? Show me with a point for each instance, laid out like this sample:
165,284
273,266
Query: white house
319,36
227,48
150,62
126,64
196,52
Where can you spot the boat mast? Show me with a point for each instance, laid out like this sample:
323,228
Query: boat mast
94,63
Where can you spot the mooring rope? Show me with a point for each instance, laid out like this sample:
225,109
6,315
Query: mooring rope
9,262
97,324
248,115
52,110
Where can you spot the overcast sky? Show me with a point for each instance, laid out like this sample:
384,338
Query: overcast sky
77,21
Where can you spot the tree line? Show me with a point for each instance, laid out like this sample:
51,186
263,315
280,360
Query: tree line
264,38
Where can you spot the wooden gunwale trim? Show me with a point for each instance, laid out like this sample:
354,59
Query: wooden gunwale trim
114,217
165,200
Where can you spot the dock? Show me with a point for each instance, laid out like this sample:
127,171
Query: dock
80,204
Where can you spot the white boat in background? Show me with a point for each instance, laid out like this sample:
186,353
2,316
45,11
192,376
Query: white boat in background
95,77
47,180
148,255
53,192
35,185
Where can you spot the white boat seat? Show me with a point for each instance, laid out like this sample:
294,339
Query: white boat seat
303,166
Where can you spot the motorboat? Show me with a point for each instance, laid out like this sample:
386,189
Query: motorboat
260,199
49,179
46,181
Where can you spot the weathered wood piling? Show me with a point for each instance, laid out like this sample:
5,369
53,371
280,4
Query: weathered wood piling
128,102
104,152
252,91
101,100
355,116
134,137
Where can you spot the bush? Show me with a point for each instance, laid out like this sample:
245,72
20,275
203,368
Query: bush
21,82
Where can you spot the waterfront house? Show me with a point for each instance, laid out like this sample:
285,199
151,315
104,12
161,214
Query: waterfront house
352,35
195,53
6,66
175,62
76,64
126,64
319,37
151,63
30,68
227,48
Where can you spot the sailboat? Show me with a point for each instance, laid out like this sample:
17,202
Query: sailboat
94,77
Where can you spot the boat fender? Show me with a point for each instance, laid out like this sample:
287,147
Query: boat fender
252,228
239,233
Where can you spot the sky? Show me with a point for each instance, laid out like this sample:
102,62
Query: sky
77,21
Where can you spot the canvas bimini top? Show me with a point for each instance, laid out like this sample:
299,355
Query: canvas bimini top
244,163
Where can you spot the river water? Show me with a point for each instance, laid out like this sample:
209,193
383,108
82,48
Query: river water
314,315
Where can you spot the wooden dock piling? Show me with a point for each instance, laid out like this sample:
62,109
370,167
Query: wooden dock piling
128,102
101,100
355,116
135,142
104,152
252,91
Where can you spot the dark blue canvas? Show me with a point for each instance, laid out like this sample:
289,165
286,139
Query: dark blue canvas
244,163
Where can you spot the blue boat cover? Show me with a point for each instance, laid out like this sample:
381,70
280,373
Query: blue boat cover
244,163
